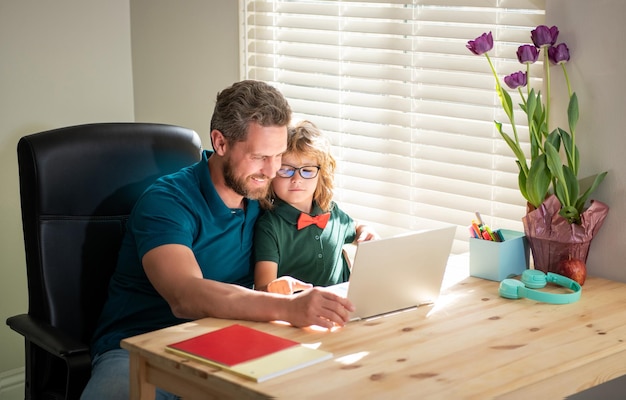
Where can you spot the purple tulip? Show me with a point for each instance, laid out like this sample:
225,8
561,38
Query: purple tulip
544,36
515,80
527,54
481,44
558,54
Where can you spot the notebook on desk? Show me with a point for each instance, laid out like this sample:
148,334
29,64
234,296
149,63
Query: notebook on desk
397,273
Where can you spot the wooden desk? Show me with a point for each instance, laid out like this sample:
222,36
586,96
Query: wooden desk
471,345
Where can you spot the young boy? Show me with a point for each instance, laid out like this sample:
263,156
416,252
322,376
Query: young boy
299,239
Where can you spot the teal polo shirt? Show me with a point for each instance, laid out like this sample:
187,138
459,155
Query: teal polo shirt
182,208
312,254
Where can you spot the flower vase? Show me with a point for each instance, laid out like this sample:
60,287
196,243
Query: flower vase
553,239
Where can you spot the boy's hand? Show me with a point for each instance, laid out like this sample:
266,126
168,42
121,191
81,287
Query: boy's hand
287,285
365,233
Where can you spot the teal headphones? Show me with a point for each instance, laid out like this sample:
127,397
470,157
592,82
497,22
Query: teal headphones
535,279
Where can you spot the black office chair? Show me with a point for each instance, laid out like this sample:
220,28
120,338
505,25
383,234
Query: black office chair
77,186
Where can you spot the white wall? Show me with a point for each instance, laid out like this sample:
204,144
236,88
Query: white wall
594,32
183,54
62,63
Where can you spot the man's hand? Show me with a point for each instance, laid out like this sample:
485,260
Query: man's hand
287,285
319,307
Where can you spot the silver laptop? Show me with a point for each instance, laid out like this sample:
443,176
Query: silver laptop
397,273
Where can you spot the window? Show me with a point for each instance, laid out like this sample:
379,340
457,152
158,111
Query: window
408,108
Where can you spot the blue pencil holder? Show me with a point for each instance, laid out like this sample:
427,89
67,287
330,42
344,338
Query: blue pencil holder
499,260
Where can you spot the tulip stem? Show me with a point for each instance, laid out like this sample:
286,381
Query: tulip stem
521,94
546,67
509,112
569,87
527,80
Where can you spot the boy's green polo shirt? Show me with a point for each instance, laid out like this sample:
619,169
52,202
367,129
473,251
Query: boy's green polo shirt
181,208
312,254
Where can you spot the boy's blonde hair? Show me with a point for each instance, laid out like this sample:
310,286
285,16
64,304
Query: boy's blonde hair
306,140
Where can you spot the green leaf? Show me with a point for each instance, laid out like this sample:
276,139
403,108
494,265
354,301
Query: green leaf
535,141
571,214
554,139
572,112
571,151
521,181
556,168
571,184
517,150
531,106
507,103
538,181
539,117
534,112
580,203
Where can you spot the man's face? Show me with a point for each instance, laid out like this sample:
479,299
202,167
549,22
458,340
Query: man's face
250,165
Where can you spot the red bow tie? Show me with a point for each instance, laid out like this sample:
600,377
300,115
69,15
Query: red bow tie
305,220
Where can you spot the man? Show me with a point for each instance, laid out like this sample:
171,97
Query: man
187,251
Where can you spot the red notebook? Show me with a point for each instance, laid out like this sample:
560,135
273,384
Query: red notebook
233,345
248,352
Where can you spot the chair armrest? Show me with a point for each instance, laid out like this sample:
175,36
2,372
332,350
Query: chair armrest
46,336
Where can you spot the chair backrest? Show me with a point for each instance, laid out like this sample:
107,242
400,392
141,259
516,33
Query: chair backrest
77,187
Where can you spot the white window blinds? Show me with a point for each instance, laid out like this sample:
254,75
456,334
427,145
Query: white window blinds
408,108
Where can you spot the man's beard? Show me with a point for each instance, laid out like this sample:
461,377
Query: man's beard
239,185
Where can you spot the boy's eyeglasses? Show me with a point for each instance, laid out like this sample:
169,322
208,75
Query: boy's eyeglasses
306,172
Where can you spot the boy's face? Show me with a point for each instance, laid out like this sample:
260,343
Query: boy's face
297,190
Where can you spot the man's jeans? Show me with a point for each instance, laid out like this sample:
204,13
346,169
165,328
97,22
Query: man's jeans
110,378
